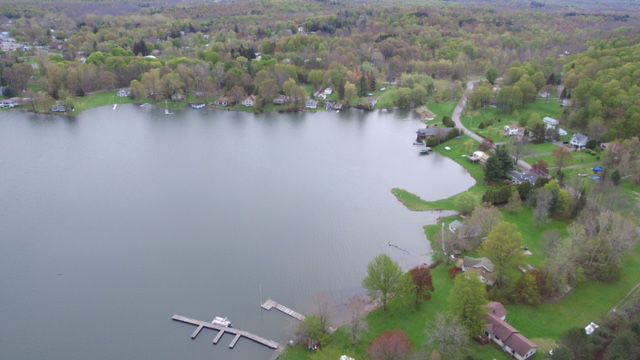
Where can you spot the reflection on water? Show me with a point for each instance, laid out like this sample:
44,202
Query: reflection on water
114,221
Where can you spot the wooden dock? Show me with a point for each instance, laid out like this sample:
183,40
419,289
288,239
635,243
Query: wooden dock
270,304
222,330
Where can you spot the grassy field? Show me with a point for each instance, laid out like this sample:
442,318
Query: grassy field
99,99
458,153
589,302
540,108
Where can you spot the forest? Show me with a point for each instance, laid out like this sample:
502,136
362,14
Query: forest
561,236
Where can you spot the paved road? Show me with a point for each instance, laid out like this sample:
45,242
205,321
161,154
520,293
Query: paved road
457,113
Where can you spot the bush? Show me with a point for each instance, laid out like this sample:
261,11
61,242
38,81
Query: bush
498,196
465,203
615,177
591,144
446,121
481,126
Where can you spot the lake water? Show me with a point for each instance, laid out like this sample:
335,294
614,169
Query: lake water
114,221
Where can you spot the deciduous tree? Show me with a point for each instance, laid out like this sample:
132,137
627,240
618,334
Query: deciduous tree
467,302
383,279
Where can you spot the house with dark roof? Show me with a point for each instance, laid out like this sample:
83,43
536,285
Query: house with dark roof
432,132
506,336
518,177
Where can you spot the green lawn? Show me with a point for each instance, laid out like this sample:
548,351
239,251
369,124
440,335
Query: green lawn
441,109
589,302
99,99
404,318
533,235
577,158
457,145
500,119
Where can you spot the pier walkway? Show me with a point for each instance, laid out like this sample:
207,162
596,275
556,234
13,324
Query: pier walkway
222,330
270,304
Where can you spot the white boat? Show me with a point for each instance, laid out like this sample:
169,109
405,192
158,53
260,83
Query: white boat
221,321
166,110
115,106
197,106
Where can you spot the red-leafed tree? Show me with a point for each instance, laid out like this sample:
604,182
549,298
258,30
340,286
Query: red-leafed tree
422,282
391,345
541,168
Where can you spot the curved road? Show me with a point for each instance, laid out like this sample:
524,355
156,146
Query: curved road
457,113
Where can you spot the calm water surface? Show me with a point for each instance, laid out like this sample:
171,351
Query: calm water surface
112,222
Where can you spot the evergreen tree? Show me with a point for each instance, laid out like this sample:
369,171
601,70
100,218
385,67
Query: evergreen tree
492,170
506,161
362,88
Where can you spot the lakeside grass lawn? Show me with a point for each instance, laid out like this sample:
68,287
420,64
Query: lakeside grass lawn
457,145
441,109
99,99
413,322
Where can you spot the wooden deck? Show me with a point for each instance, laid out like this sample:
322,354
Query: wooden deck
222,329
270,304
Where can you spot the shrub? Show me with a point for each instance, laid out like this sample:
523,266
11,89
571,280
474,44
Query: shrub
591,144
498,196
446,121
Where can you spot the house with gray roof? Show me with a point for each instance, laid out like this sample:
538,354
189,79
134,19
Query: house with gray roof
579,141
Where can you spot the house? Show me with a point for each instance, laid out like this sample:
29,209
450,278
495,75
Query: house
281,100
506,336
225,101
328,91
497,309
124,92
455,225
513,131
579,141
479,157
178,97
432,132
550,122
311,104
518,177
8,104
58,108
249,101
483,267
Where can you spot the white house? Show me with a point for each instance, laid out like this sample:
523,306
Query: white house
551,122
249,101
311,104
579,141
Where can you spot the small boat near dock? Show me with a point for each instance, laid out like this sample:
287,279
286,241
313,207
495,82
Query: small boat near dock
221,321
197,106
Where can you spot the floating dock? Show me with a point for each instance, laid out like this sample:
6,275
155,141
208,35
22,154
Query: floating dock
222,330
270,304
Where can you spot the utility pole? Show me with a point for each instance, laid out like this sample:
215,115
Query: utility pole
442,239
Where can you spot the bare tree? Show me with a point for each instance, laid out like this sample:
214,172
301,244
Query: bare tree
449,337
543,204
357,308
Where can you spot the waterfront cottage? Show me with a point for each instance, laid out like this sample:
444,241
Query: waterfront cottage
249,101
311,104
281,100
506,336
58,108
518,177
225,101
